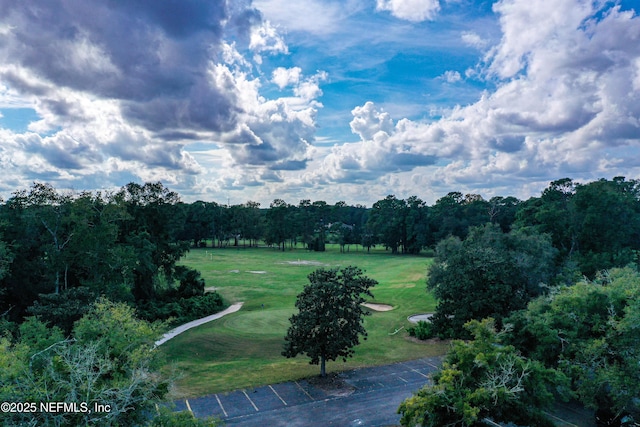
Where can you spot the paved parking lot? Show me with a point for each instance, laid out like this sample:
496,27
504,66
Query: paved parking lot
371,398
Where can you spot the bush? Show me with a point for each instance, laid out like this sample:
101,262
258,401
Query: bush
423,330
181,310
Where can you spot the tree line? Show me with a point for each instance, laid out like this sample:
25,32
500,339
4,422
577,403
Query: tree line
125,245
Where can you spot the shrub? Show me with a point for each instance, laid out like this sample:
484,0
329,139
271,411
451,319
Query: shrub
423,330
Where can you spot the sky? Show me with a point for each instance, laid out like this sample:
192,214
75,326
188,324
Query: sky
334,100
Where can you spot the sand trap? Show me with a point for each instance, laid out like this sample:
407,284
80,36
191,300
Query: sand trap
378,307
180,329
256,271
426,317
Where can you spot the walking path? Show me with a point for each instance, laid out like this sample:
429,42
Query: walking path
180,329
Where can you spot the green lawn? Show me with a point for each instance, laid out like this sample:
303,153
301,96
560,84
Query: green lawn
243,349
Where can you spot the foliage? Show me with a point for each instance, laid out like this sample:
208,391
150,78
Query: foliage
423,330
181,310
483,379
330,318
597,225
400,225
108,360
590,332
63,309
489,274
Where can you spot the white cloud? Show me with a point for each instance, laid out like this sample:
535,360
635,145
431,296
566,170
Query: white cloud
265,38
317,17
368,121
451,76
284,77
410,10
565,105
474,40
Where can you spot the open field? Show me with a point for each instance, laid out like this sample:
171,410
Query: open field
243,348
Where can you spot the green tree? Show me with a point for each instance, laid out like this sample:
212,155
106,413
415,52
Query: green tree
489,274
156,220
416,225
278,226
108,359
590,332
482,380
330,316
387,221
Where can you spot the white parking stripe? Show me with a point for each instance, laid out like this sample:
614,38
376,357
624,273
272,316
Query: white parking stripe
415,370
432,365
276,393
188,406
303,390
221,407
253,404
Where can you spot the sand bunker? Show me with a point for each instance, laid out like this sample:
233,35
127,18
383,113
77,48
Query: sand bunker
378,307
426,317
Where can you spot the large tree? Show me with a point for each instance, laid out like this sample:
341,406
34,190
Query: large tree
482,380
590,332
330,318
489,274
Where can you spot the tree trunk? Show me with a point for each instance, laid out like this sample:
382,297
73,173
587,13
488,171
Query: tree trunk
323,370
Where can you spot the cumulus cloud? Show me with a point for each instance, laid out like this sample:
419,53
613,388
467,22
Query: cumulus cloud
566,103
266,39
410,10
122,89
284,77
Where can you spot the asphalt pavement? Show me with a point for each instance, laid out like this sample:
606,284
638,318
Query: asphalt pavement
365,397
362,397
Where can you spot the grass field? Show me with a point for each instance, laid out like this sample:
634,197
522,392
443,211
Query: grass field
242,350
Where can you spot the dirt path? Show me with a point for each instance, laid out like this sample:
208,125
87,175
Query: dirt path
180,329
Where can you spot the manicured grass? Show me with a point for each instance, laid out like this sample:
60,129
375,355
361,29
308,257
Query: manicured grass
242,350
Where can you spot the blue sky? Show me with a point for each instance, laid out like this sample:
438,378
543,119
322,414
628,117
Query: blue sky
318,99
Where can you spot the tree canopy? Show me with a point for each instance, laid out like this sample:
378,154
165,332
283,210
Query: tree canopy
484,379
489,274
330,316
589,331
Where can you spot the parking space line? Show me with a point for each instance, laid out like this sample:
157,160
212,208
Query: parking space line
402,378
304,391
415,370
276,393
432,365
221,407
253,404
188,406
